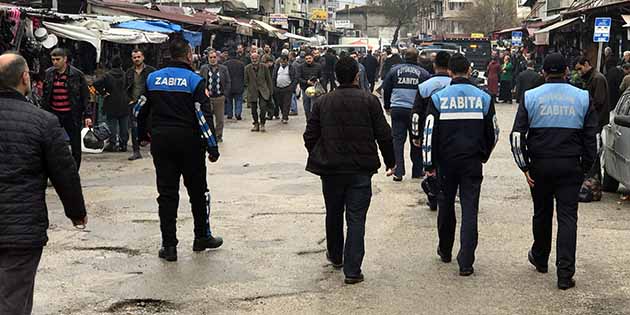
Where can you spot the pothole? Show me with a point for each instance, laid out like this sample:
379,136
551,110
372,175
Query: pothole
141,306
122,250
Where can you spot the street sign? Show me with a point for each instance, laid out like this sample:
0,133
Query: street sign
602,30
281,20
517,38
344,24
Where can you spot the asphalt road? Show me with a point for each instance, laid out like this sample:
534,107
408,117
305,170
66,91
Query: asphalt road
271,214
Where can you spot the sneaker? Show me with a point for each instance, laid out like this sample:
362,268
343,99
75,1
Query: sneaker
539,268
565,284
354,280
201,244
135,156
168,253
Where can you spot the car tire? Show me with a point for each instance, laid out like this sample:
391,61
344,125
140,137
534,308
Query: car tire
609,184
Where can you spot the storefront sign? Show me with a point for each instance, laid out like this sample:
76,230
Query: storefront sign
344,24
319,15
602,30
517,38
281,20
477,35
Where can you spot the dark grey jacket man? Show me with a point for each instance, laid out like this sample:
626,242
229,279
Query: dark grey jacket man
33,148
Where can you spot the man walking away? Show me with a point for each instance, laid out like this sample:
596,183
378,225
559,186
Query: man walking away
33,148
115,105
284,84
371,67
392,58
218,84
554,148
136,78
527,80
341,137
363,80
400,88
259,89
173,94
426,89
614,77
459,136
234,97
66,95
328,71
308,74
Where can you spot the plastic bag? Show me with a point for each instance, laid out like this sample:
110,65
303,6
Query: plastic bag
591,190
102,132
90,143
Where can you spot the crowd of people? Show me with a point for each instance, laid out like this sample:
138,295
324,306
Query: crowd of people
433,100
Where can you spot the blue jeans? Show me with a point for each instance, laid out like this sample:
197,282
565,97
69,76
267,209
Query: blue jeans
119,126
234,105
308,103
294,106
401,128
351,194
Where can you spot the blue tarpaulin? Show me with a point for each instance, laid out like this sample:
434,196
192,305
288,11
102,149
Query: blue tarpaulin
194,38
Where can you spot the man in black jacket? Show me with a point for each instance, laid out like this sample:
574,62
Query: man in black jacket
527,80
115,105
234,97
66,95
173,93
135,80
32,147
341,137
308,74
371,67
328,70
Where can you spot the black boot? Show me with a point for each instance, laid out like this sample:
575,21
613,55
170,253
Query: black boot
201,244
168,253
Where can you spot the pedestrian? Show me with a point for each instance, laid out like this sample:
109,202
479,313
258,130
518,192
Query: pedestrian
173,93
294,105
259,88
492,73
626,58
554,143
66,95
115,105
267,55
426,63
234,97
34,149
284,82
308,74
363,80
217,78
625,84
390,59
274,113
527,80
614,77
506,77
328,70
242,55
459,135
400,89
597,87
371,67
426,89
136,78
351,118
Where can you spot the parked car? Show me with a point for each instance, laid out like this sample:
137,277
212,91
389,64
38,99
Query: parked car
617,147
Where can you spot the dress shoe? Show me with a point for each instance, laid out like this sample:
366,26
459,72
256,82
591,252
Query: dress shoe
239,118
397,179
443,257
201,244
168,253
354,280
293,114
539,268
336,265
566,283
256,128
465,272
229,117
122,149
135,156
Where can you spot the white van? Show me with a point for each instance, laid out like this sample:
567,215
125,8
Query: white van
347,48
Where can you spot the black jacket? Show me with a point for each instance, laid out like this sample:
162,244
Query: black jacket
371,67
129,80
236,68
112,86
343,131
597,87
527,80
32,149
389,63
614,77
308,72
171,96
330,61
78,88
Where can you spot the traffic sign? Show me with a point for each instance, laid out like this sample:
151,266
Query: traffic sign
602,30
517,38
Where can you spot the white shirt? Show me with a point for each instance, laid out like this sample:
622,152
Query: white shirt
284,78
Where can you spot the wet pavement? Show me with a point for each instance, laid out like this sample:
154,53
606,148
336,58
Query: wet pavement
271,214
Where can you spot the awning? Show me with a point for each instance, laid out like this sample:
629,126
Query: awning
302,38
509,30
626,18
194,38
542,35
270,29
78,33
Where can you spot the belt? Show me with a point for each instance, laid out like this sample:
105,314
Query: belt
284,87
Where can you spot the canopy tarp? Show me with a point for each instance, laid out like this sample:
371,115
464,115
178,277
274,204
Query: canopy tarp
194,38
270,29
302,38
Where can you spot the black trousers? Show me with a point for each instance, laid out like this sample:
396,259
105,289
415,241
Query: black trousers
558,179
505,91
135,143
326,79
260,110
350,194
283,100
17,279
401,129
465,175
73,129
178,153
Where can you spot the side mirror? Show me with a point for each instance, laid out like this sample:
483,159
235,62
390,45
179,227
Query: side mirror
623,121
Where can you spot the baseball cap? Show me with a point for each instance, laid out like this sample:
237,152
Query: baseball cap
555,63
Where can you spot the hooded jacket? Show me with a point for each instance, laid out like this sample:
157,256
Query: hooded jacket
112,87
